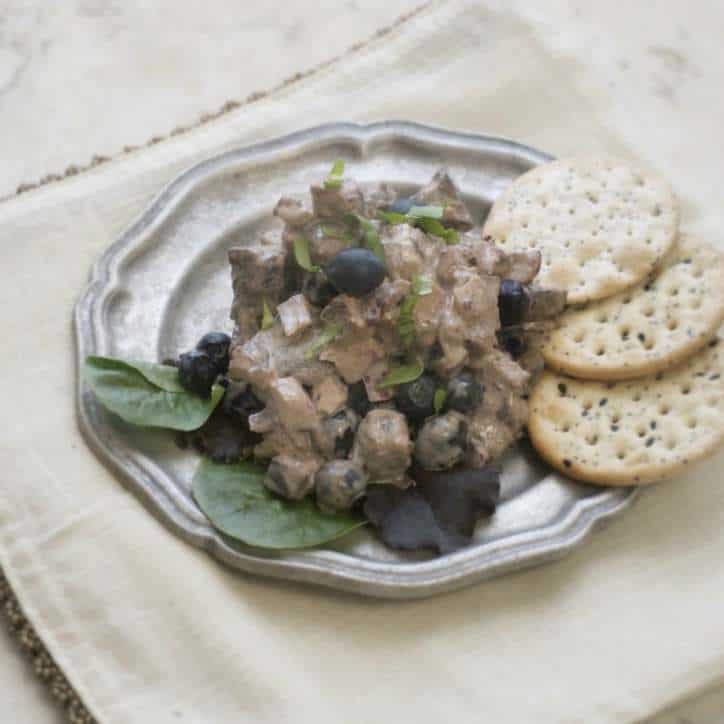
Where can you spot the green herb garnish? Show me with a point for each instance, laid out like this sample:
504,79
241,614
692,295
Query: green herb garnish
438,401
421,286
267,316
393,218
334,180
426,212
402,374
327,335
434,227
301,254
369,231
426,218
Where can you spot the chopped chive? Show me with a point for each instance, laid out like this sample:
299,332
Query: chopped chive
438,401
327,335
334,180
301,254
267,316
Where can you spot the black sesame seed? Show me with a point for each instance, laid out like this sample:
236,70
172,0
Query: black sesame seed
650,442
714,343
614,428
562,388
585,413
602,401
714,377
659,376
641,336
686,261
567,463
653,424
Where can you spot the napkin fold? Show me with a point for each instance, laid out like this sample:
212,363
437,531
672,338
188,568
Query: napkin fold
149,629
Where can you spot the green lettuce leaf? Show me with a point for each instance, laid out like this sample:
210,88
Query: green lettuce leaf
236,502
147,394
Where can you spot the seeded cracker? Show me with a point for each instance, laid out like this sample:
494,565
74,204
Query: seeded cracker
601,224
649,328
631,432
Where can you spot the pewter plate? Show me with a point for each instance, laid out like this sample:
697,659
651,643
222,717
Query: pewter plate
166,281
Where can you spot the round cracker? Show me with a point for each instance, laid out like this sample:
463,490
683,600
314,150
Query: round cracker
649,328
634,432
601,224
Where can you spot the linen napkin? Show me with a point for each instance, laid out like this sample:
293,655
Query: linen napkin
149,629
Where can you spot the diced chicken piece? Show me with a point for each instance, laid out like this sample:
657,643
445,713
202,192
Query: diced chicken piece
383,445
257,273
476,302
270,354
262,421
329,396
456,264
347,199
500,418
402,257
281,441
374,375
353,354
451,336
428,311
379,199
291,404
295,315
345,310
441,191
523,265
544,303
293,212
336,435
291,477
387,300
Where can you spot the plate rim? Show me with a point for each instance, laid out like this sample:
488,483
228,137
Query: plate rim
324,567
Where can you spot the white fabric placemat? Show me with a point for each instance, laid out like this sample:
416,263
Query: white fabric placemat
150,629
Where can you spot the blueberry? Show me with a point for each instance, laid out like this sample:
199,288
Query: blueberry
401,205
197,372
216,346
512,302
317,289
464,393
415,399
355,271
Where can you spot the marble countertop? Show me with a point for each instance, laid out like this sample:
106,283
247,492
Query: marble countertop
89,77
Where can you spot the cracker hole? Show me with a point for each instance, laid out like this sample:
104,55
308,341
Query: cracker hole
670,443
566,428
602,318
649,343
674,292
636,397
587,405
641,432
696,303
686,389
627,300
592,439
616,418
621,454
664,409
579,336
532,244
691,423
656,211
625,332
672,324
600,351
648,312
649,241
698,273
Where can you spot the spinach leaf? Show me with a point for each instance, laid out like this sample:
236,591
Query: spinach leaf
421,287
236,501
143,393
369,233
402,374
302,255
